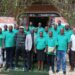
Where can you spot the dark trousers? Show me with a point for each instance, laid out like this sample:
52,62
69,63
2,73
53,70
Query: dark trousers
70,62
9,57
50,61
20,51
29,59
3,53
72,59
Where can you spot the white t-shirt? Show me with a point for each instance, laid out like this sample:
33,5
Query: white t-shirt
72,39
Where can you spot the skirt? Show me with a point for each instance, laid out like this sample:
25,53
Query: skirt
40,55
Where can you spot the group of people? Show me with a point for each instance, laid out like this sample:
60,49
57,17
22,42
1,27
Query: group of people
53,41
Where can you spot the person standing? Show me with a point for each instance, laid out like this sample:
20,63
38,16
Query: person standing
68,33
16,29
55,31
50,28
46,32
31,27
59,26
3,49
51,47
20,46
26,30
9,46
40,28
40,50
28,48
62,44
72,47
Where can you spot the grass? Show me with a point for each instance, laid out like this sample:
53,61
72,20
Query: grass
25,73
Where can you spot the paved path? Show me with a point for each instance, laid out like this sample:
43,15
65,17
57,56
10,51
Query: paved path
61,73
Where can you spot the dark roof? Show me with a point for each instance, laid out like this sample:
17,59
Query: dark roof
41,8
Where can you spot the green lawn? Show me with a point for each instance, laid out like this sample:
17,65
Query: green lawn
25,73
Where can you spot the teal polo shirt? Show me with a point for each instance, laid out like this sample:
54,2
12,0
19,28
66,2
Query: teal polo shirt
55,33
68,33
16,31
31,27
50,29
62,42
51,42
9,39
4,32
40,29
40,43
1,38
59,28
46,35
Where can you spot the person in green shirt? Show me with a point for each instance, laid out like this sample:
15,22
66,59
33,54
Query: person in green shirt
62,44
31,27
9,46
60,26
40,28
68,33
1,46
5,30
26,30
46,32
4,50
55,31
40,50
16,29
50,28
51,46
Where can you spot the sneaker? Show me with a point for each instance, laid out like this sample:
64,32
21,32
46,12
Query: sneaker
53,71
57,71
25,70
16,68
64,72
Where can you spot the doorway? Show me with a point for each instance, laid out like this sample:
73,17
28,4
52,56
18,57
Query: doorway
36,20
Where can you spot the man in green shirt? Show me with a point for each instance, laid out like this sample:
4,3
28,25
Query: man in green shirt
59,26
62,44
46,32
40,28
55,31
31,27
40,49
51,45
9,45
4,32
16,29
68,33
26,30
50,28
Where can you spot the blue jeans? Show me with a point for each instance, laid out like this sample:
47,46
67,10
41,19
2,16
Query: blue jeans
61,60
